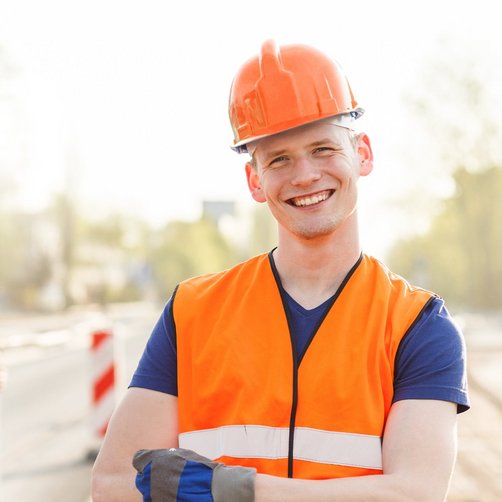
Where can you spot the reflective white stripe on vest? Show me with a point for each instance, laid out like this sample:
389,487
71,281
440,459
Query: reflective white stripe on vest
314,445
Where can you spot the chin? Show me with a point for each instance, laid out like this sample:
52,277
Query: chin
310,233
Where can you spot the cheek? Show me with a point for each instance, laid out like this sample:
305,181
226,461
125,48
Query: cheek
349,173
272,190
274,179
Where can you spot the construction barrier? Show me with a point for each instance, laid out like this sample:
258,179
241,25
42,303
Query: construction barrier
103,380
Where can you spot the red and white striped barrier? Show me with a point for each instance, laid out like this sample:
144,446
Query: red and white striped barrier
103,380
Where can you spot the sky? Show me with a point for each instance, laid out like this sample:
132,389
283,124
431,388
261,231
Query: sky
124,103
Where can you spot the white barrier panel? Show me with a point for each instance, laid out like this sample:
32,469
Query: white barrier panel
103,380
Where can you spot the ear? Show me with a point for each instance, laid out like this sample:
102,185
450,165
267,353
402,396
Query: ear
365,155
254,183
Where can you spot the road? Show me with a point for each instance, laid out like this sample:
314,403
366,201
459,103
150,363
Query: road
46,413
46,406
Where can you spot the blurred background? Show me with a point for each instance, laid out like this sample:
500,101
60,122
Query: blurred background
117,182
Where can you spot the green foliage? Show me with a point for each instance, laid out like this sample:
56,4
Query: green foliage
458,106
109,232
263,231
11,241
24,266
118,258
459,257
184,249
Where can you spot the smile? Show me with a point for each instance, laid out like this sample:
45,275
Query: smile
310,200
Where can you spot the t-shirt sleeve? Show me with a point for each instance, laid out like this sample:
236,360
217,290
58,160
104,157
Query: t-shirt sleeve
157,368
431,360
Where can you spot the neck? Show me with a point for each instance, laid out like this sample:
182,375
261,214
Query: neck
311,270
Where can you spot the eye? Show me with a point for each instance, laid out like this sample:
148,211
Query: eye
278,160
323,149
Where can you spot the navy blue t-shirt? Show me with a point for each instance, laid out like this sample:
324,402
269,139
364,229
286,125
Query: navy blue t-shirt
430,361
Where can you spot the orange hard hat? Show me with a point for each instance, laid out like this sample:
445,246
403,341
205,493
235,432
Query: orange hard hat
284,88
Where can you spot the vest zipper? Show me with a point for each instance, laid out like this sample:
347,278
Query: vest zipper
294,403
297,358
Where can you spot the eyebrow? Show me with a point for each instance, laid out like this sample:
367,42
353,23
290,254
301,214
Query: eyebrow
275,153
319,142
324,142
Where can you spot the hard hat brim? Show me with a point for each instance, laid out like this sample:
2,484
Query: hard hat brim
342,120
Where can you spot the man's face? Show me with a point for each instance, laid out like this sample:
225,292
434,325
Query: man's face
308,176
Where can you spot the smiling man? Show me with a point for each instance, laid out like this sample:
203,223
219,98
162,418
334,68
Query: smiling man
311,373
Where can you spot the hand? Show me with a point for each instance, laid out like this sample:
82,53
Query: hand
178,475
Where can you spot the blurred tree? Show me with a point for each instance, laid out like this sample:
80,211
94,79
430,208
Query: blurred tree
12,237
184,249
458,256
8,182
10,257
108,232
25,265
113,252
456,100
65,218
263,231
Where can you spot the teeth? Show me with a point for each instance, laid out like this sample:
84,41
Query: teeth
308,201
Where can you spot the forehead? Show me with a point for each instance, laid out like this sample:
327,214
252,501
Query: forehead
299,137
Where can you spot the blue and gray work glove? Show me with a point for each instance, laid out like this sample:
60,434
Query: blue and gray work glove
178,475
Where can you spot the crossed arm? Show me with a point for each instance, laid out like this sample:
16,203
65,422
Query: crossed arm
419,451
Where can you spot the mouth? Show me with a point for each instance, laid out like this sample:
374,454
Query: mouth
310,200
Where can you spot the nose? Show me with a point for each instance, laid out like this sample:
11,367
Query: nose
305,172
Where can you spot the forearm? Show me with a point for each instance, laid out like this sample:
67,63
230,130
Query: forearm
387,488
143,419
115,487
418,456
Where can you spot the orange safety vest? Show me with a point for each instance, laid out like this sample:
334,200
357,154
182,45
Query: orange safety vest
246,399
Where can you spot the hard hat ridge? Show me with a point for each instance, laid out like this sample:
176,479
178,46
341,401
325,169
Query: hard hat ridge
275,88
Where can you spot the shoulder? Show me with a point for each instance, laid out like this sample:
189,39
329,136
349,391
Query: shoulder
210,283
397,282
435,326
401,303
431,359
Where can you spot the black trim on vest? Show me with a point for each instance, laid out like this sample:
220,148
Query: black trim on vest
328,307
297,358
294,403
410,329
171,317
